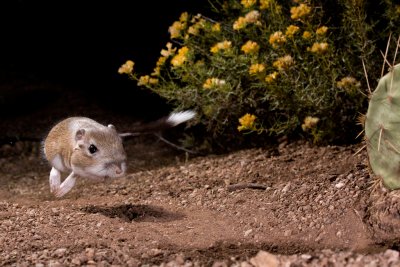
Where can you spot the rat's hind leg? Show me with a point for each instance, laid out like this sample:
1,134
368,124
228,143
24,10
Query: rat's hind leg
66,185
54,179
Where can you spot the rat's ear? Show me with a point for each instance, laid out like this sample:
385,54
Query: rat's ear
111,126
79,134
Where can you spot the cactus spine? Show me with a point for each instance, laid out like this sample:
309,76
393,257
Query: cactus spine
382,129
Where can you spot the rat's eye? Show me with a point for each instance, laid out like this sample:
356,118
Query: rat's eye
92,149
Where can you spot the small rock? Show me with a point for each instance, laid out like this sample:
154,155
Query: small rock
220,264
339,185
60,252
245,264
305,256
91,264
155,252
76,261
264,259
54,264
248,232
31,212
286,188
90,253
133,263
287,233
180,259
391,255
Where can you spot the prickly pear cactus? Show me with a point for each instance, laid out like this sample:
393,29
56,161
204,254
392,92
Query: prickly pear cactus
382,129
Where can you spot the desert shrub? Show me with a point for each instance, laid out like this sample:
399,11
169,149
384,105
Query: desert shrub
257,70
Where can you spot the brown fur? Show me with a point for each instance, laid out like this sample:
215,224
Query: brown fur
58,141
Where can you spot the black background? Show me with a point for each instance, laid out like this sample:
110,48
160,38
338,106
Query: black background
79,46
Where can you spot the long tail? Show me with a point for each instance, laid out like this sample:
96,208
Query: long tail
169,121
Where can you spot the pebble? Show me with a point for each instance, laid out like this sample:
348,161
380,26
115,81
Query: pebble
391,255
264,259
60,252
339,185
287,233
89,253
76,261
248,232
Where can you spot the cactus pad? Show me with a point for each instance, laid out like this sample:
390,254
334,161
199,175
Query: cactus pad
382,129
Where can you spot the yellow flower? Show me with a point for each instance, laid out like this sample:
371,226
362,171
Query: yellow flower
248,3
348,83
264,4
306,35
146,80
181,57
127,67
213,83
321,30
153,80
247,122
224,45
252,16
283,63
195,28
169,52
160,62
156,71
196,18
309,123
216,27
291,30
250,47
256,69
240,23
175,29
319,48
298,12
276,39
184,17
271,77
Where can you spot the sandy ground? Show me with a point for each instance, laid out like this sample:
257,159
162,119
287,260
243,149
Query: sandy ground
293,205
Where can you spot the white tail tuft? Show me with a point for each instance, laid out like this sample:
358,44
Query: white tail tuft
176,118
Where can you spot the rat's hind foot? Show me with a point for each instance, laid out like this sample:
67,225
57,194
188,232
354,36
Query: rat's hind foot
66,186
54,180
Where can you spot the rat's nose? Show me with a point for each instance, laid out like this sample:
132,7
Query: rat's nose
119,168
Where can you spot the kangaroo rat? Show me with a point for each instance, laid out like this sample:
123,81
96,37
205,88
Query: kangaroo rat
88,149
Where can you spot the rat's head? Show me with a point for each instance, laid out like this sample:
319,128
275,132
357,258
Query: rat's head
98,153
